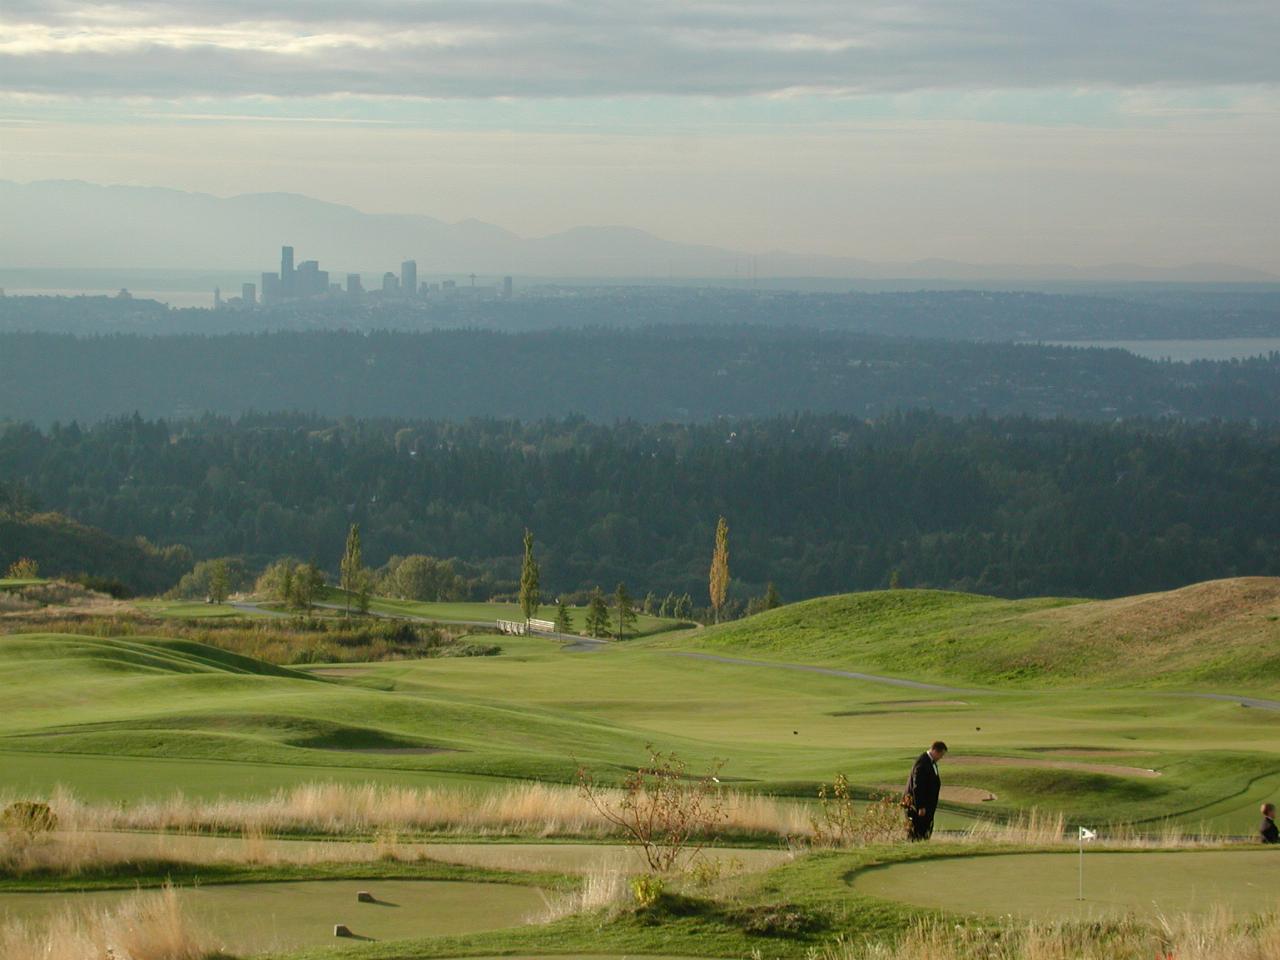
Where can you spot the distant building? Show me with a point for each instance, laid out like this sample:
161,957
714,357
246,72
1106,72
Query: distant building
506,288
248,294
390,284
409,278
309,280
448,287
217,298
287,279
355,287
270,288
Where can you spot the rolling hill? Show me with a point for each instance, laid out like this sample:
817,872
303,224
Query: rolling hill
1219,634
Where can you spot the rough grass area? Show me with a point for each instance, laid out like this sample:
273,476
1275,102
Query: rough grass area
1220,634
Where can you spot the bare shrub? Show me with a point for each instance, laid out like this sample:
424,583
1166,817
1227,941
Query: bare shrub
844,822
661,809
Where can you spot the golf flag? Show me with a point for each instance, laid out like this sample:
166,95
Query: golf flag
1085,834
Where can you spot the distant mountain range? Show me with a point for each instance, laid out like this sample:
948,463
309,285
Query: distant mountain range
68,223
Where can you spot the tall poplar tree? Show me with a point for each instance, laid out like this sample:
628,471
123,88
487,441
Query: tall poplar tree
529,585
352,569
720,568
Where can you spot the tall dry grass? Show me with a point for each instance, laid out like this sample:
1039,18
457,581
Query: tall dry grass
331,809
604,886
1215,936
1036,828
146,926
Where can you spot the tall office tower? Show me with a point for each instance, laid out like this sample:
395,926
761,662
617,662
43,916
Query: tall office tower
217,298
286,272
506,288
270,288
248,294
409,278
390,284
355,287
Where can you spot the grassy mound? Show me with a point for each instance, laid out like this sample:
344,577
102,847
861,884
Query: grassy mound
1215,634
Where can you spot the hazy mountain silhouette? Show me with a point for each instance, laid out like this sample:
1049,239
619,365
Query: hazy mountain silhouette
64,223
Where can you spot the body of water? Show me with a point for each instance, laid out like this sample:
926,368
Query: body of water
1184,351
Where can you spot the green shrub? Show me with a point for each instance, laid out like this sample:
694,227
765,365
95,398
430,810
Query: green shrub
647,889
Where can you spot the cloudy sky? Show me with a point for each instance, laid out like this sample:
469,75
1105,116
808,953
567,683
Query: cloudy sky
1077,131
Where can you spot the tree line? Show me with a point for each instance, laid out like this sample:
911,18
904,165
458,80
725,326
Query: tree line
653,374
818,504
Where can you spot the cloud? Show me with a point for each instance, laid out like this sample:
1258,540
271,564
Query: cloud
574,48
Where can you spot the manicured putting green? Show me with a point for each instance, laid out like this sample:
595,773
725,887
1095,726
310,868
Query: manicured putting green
252,918
1045,885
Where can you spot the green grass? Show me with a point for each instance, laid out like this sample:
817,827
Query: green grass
192,609
1217,636
11,583
250,918
1045,886
129,718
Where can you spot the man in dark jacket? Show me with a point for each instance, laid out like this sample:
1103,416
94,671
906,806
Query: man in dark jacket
923,787
1267,829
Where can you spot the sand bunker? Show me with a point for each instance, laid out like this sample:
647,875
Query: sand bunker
921,703
1112,769
1092,752
338,672
390,751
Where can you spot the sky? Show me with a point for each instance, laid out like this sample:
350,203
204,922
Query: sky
992,131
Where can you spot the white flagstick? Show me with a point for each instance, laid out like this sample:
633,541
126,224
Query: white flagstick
1085,834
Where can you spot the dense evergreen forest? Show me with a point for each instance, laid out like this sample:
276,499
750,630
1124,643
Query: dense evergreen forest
815,503
650,374
1144,311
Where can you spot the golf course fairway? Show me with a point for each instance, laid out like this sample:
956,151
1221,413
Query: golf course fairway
1045,886
254,918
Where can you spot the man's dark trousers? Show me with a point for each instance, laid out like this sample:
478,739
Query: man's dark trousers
921,799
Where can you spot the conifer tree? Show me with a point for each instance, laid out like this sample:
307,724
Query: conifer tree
597,624
720,568
564,618
771,597
529,576
626,609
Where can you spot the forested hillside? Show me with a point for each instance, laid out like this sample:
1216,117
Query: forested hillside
650,374
817,504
